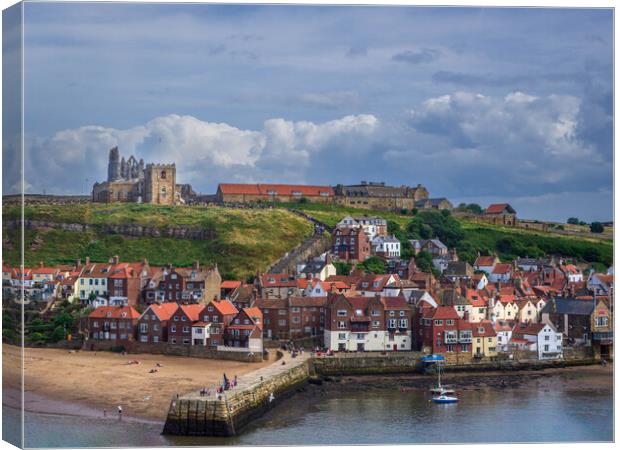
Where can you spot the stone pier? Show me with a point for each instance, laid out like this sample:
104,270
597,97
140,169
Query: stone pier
228,413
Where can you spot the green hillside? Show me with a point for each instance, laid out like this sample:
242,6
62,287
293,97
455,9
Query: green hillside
469,237
247,239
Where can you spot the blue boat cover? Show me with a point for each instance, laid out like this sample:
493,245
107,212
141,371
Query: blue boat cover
432,358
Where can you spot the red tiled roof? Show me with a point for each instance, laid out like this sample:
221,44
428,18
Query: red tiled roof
394,303
276,303
279,280
44,270
484,261
163,311
255,312
445,312
230,284
116,312
502,268
279,189
487,329
200,324
192,311
308,301
529,328
225,307
497,208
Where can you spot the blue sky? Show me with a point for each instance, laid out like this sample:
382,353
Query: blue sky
479,105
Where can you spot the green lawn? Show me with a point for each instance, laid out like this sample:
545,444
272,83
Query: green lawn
247,239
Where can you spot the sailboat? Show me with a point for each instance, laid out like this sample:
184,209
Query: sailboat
441,389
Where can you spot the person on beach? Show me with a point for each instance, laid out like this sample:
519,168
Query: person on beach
105,414
120,412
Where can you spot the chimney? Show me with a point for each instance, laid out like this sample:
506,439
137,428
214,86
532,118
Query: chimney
87,260
78,262
40,263
115,259
145,262
196,265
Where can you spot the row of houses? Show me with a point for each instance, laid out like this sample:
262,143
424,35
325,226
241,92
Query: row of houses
114,283
215,325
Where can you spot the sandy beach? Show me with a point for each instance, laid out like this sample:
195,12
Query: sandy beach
89,382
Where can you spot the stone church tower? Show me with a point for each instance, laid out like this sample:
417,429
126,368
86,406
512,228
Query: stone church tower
114,165
160,184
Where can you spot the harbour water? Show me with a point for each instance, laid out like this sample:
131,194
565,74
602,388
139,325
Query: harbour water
551,410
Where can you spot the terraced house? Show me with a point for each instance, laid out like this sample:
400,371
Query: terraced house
368,324
113,324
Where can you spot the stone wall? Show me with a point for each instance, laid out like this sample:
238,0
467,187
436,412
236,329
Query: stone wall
33,199
192,415
192,351
368,363
178,231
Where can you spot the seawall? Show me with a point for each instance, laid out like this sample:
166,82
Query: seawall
229,413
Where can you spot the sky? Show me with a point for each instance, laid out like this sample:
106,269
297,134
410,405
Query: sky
477,104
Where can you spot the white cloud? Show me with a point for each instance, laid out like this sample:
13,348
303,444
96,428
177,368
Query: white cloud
205,153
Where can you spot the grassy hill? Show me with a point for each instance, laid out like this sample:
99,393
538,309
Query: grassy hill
472,237
247,239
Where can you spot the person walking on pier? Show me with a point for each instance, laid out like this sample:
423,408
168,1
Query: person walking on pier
120,412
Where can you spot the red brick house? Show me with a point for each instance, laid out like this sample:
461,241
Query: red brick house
501,214
351,244
307,316
153,323
124,285
277,285
444,332
115,324
275,317
217,315
180,325
246,330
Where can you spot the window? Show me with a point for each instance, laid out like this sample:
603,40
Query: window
215,319
282,323
403,323
602,321
341,324
155,338
205,318
375,324
464,348
375,312
282,312
198,330
155,327
185,329
392,323
438,323
162,175
341,313
392,313
176,318
186,341
95,324
360,336
449,322
546,337
183,319
342,336
295,309
173,329
296,320
401,313
450,348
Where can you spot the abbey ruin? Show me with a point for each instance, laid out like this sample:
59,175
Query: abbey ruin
132,181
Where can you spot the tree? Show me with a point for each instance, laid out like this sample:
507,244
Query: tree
424,261
597,227
403,211
372,265
573,221
342,268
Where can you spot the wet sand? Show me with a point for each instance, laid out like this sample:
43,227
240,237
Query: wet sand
86,383
574,378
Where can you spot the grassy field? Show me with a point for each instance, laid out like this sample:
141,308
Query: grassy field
247,239
507,242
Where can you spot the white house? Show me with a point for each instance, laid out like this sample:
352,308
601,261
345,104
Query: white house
573,274
504,334
387,246
501,273
543,338
315,288
200,333
373,226
486,263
